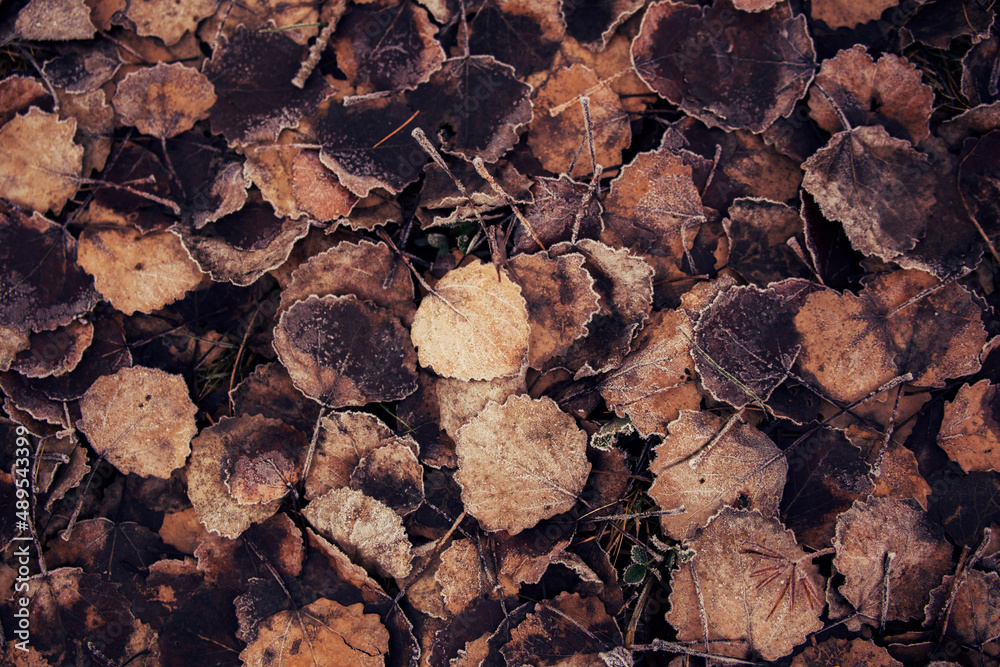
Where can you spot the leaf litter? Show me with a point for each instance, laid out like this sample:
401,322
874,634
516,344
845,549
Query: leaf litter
502,333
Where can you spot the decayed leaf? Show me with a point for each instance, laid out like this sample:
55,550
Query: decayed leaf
570,627
826,474
557,140
344,439
140,419
756,591
625,285
520,462
43,287
747,341
360,269
849,13
42,164
837,652
263,466
593,25
387,47
892,555
169,19
12,341
553,214
241,247
878,187
364,527
758,231
269,391
472,326
164,100
322,633
459,401
729,69
392,475
970,432
973,616
482,102
561,301
656,381
654,205
217,510
887,93
252,74
523,34
52,352
342,351
705,464
135,271
73,609
54,20
368,145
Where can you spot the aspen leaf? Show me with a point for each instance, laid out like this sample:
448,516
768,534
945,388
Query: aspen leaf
761,593
363,527
322,633
326,345
970,432
472,326
42,163
520,462
140,419
164,100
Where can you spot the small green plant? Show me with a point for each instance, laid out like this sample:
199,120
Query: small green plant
658,556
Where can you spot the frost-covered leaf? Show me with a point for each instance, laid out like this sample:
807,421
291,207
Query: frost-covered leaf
472,326
970,432
757,592
140,419
42,164
364,527
520,462
343,351
164,100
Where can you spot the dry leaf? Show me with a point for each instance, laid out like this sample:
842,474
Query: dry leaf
969,432
705,464
322,633
757,592
54,20
164,100
891,555
41,164
520,462
140,419
364,527
472,326
135,271
327,346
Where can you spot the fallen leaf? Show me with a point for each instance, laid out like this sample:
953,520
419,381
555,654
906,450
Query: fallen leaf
167,19
727,68
54,20
891,555
217,510
42,164
837,652
135,271
969,432
473,326
520,462
561,301
705,464
164,100
140,419
656,381
887,93
878,187
755,591
569,625
387,47
559,141
325,345
364,527
320,633
53,352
